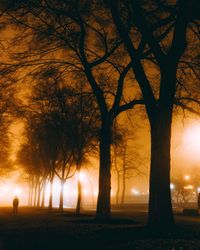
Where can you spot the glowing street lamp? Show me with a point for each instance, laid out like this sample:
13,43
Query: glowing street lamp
172,186
188,187
135,191
186,177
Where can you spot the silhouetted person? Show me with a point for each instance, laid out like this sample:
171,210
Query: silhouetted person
15,204
198,200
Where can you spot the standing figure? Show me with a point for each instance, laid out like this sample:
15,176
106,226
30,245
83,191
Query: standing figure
15,205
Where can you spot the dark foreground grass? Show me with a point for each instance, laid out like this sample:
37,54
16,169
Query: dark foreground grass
37,229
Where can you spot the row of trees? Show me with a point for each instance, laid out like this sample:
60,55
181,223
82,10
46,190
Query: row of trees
127,53
61,131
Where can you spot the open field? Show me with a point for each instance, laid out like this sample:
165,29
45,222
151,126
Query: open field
36,229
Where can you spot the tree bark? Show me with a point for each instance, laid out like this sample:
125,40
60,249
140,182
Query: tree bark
160,205
103,211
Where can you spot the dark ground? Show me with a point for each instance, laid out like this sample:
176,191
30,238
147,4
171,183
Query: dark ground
36,229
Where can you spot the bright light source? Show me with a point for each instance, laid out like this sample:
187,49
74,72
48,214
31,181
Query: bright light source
172,186
191,140
112,193
82,177
56,186
186,177
198,189
189,187
5,189
85,191
95,193
17,191
135,191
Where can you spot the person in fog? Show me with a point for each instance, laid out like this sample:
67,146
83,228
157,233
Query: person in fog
15,205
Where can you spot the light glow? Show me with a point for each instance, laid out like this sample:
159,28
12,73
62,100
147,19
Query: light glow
188,187
135,191
191,141
186,177
172,186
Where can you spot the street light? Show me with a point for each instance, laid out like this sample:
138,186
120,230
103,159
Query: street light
186,177
172,186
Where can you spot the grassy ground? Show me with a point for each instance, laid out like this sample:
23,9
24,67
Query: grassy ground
36,229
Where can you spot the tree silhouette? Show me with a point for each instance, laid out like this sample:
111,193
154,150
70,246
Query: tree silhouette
78,38
162,28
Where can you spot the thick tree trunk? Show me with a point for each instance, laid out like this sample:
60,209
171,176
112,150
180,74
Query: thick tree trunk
79,198
62,183
160,204
103,211
160,207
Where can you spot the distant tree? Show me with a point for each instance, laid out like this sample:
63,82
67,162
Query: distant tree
68,120
29,159
126,161
185,190
7,102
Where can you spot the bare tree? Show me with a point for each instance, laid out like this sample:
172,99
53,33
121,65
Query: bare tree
77,37
126,160
162,31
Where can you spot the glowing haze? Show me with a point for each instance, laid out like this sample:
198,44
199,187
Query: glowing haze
185,153
191,141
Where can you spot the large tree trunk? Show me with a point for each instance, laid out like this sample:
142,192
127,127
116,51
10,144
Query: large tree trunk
103,211
160,206
62,183
79,198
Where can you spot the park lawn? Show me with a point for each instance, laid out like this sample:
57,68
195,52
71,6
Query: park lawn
37,229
